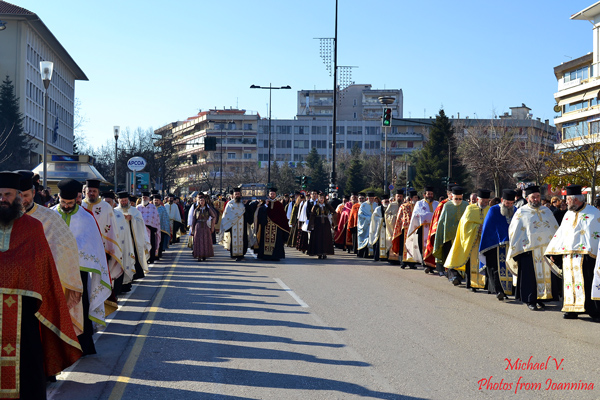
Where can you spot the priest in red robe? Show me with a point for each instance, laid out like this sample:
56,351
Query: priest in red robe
37,334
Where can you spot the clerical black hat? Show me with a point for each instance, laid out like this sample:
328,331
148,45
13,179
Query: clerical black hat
400,191
412,193
458,190
123,195
109,195
483,193
157,196
146,194
429,188
297,192
133,198
361,194
236,190
26,180
354,194
69,188
370,194
273,189
573,190
509,194
532,189
93,183
10,180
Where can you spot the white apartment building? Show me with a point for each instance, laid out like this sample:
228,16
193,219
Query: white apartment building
24,42
578,80
355,103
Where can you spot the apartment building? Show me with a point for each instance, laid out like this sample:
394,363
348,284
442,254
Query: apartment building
235,134
25,41
577,107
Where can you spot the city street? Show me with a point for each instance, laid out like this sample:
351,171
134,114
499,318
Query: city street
341,328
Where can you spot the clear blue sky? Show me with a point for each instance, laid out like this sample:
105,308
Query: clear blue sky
153,62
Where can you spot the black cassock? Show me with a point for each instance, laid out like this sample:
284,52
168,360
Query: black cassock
321,239
281,236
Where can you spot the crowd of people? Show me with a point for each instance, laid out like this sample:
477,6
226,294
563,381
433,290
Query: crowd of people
66,265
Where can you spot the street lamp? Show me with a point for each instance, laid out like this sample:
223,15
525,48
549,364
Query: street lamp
386,101
269,141
116,131
46,68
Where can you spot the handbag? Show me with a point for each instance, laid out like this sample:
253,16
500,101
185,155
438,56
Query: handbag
190,243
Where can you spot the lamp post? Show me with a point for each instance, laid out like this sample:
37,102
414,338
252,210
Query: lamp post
269,141
116,131
46,68
386,101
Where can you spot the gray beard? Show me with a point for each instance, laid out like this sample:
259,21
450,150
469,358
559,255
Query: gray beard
506,211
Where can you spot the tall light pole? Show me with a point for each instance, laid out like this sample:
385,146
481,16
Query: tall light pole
269,141
386,101
116,130
46,68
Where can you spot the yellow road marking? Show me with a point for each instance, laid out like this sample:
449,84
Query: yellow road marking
127,371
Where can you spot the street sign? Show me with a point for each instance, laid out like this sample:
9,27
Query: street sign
391,187
136,163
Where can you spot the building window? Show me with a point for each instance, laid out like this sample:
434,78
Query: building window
340,130
283,129
575,130
301,130
319,144
263,157
301,144
354,115
354,102
351,143
581,73
247,156
372,130
298,157
248,127
319,130
231,156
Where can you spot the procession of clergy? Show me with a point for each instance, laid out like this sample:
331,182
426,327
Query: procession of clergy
65,267
525,251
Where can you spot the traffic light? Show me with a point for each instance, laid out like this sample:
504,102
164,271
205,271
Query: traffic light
210,144
386,120
298,180
304,181
445,181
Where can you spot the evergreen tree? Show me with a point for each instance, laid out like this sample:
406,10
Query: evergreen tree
317,171
355,181
14,144
432,164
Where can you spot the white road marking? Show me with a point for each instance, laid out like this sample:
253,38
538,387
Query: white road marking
291,293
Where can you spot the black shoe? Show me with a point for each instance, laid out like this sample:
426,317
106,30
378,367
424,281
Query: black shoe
501,296
319,257
541,306
442,273
413,267
402,266
474,290
570,315
203,258
239,258
595,319
324,256
455,282
532,307
427,270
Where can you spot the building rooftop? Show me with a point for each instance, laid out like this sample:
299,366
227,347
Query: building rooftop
10,11
569,65
589,13
7,8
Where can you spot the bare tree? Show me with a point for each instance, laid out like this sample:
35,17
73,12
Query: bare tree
577,161
488,151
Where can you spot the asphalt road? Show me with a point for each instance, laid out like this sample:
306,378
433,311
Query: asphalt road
341,328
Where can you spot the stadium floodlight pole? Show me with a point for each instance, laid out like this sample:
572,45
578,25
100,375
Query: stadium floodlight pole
335,91
46,68
270,87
